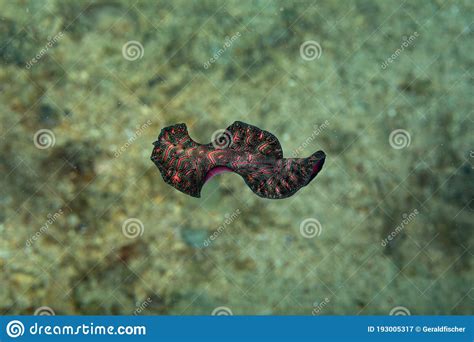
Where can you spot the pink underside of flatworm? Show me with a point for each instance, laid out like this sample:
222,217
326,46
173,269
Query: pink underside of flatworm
217,170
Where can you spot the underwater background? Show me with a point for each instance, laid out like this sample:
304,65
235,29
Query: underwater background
88,226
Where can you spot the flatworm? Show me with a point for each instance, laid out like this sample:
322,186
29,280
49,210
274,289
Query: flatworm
254,154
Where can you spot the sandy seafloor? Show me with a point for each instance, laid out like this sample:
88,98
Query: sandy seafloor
382,66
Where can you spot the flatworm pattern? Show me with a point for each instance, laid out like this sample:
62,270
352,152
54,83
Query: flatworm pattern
254,154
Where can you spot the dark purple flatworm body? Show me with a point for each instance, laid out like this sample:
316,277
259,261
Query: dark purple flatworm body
254,154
